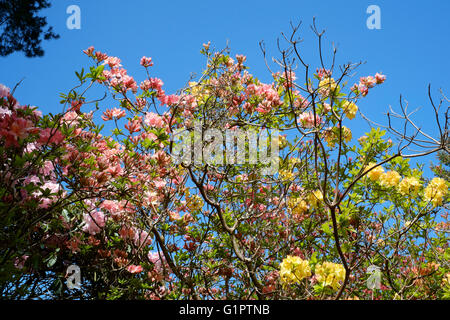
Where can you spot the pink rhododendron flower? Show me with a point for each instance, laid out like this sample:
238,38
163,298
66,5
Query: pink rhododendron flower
159,183
54,187
50,135
368,81
157,260
264,107
142,238
146,62
380,78
240,58
133,126
321,73
70,118
20,128
129,83
169,100
112,62
306,119
99,56
48,169
4,111
37,113
153,120
116,113
76,105
93,222
4,91
141,103
112,206
89,51
30,147
363,89
135,268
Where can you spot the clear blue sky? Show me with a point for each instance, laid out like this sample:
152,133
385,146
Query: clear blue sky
412,47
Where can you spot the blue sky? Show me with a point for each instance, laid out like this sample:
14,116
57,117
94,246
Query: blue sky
411,48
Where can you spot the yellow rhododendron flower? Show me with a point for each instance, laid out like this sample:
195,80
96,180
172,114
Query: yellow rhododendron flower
409,186
390,179
331,136
293,161
298,206
346,133
315,198
446,279
293,269
199,91
193,202
286,175
374,174
282,141
330,274
436,191
350,109
327,86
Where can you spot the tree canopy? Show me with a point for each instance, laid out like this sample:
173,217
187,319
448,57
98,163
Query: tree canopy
22,29
154,195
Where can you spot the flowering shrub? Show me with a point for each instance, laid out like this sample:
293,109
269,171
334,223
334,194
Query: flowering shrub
101,188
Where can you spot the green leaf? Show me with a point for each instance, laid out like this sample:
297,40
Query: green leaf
52,260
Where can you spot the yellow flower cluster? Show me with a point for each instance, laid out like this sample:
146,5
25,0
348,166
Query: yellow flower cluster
386,179
332,136
297,205
446,279
409,186
436,191
199,91
293,161
330,274
293,269
282,141
315,198
347,134
193,202
327,86
390,179
286,175
350,109
375,174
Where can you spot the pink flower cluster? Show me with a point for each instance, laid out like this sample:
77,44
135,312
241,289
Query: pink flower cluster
156,84
115,113
20,134
134,268
323,73
308,120
267,93
366,83
117,77
146,62
93,221
154,120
